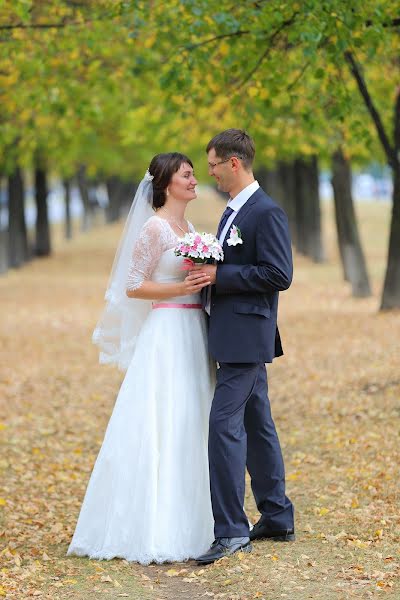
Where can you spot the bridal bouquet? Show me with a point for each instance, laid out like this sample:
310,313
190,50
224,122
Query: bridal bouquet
198,248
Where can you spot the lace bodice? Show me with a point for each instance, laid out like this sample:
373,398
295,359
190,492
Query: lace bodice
153,257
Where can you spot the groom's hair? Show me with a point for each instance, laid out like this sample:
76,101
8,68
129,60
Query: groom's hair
233,142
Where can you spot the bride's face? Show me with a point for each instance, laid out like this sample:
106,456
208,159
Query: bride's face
183,183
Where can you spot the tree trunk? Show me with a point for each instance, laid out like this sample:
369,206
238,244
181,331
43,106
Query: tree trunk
18,249
115,190
351,253
128,194
308,212
87,220
279,184
3,237
391,288
67,199
269,180
287,177
43,244
3,251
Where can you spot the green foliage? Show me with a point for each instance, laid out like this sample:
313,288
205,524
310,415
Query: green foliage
109,84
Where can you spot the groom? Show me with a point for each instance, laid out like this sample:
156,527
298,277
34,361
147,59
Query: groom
243,336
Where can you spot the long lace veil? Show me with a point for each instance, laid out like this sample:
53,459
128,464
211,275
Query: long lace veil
122,318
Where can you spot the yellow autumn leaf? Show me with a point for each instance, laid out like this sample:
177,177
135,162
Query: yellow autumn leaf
3,501
323,511
224,49
149,41
172,573
293,476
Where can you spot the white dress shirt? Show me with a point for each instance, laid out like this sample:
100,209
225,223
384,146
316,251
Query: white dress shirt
236,204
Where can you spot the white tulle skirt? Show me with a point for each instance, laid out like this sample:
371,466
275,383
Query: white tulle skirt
148,498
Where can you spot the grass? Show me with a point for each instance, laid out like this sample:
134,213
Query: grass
335,398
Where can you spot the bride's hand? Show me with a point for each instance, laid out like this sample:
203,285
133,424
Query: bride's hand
195,282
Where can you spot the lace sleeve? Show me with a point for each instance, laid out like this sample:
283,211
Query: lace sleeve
192,229
146,254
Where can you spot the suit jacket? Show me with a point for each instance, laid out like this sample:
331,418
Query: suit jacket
244,300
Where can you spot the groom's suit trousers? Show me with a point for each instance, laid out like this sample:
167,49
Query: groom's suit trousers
242,433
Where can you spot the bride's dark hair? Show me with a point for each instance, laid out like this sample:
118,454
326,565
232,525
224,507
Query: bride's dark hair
162,167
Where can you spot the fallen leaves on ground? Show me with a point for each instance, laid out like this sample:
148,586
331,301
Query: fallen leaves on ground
335,398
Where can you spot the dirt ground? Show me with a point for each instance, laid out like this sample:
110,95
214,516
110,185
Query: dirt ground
336,400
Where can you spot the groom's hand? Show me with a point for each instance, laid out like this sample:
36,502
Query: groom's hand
210,270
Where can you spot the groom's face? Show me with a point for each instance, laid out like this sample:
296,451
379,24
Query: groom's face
221,170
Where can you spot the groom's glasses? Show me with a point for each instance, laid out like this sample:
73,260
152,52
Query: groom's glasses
221,162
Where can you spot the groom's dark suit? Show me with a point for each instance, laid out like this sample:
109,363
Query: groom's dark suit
243,335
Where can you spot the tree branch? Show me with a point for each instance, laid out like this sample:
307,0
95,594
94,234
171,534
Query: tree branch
390,23
362,87
114,13
216,39
38,25
254,69
266,51
298,77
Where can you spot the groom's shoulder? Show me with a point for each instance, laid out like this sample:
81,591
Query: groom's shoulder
266,203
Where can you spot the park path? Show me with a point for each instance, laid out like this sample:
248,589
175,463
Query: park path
335,400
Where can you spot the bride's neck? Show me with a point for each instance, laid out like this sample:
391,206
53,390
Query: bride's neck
174,209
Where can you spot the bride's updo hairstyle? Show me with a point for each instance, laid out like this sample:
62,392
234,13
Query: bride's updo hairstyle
162,167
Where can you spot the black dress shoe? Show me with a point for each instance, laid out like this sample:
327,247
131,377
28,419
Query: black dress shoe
225,547
261,531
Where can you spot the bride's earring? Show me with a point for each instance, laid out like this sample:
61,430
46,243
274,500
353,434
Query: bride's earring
167,192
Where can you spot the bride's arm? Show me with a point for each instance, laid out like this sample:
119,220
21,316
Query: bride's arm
150,290
145,257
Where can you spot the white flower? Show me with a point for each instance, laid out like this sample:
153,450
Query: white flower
148,176
235,237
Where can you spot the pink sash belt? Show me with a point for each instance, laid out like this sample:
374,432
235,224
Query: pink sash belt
175,305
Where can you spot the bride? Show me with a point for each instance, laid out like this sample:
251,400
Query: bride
148,497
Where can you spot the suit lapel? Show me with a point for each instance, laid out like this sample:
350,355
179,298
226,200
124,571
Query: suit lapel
246,208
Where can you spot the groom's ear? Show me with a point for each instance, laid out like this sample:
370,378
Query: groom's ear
236,165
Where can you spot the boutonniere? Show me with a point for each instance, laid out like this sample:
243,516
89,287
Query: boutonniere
235,236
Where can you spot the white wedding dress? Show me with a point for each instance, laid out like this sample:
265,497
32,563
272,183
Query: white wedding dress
148,498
